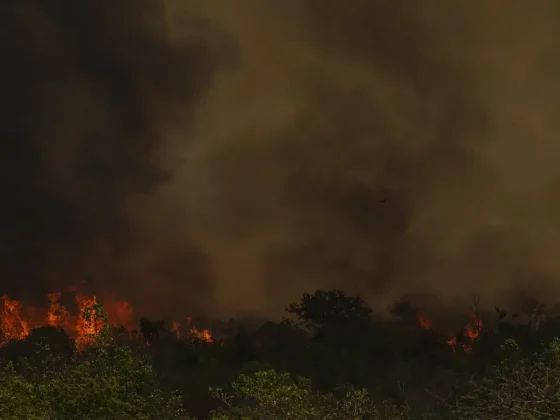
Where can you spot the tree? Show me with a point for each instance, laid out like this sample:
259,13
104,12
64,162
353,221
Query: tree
107,383
269,395
99,381
326,309
518,388
151,330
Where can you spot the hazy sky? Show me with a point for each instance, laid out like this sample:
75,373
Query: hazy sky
225,156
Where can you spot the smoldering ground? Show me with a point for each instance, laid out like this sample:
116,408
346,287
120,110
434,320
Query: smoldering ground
227,156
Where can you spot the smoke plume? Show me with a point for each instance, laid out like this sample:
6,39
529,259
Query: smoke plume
227,156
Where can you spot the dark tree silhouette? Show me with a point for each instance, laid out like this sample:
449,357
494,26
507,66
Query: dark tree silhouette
151,329
327,309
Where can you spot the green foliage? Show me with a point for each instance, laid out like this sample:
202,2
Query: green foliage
518,388
269,395
102,382
19,398
393,360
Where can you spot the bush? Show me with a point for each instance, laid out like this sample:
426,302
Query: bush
518,388
102,383
277,396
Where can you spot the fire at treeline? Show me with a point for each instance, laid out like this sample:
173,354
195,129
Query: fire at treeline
82,321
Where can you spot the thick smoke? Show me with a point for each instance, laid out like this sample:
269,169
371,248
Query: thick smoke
227,156
89,89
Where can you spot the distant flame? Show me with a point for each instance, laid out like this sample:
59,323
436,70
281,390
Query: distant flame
176,328
425,323
203,335
471,332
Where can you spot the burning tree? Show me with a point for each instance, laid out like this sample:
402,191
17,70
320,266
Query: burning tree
92,327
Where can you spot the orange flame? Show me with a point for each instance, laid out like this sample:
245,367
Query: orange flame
176,328
202,335
57,313
471,332
120,313
87,327
12,325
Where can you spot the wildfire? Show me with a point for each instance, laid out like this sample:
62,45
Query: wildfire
471,332
425,323
201,335
87,323
12,326
176,328
120,313
57,313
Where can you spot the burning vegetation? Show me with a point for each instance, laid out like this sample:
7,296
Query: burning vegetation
329,337
83,317
470,334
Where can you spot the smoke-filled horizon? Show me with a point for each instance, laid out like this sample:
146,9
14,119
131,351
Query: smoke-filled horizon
227,156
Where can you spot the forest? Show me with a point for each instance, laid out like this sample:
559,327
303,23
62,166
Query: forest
222,157
331,357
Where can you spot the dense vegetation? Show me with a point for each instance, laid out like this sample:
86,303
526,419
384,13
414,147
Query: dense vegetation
330,359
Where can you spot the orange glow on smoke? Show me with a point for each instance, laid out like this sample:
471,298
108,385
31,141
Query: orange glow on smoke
57,313
120,313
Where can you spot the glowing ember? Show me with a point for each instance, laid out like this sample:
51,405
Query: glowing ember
425,323
473,328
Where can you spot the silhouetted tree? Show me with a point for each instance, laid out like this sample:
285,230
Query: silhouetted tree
404,310
326,309
243,348
151,329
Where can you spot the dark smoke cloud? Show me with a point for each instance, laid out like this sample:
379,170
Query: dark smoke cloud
231,155
88,88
